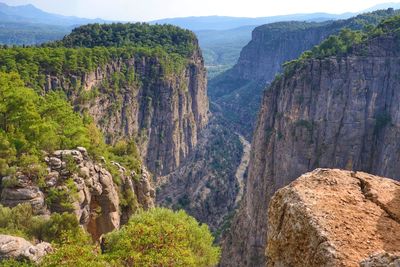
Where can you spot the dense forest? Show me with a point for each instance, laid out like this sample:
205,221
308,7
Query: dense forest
170,38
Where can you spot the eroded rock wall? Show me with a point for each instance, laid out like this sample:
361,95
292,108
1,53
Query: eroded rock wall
163,110
337,112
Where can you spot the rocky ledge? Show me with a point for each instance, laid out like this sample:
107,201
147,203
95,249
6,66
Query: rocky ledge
95,198
335,218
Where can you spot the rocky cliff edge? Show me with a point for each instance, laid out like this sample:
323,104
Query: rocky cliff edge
331,217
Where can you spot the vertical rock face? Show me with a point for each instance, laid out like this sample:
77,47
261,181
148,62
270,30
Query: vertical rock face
334,112
335,218
239,90
77,184
205,185
165,111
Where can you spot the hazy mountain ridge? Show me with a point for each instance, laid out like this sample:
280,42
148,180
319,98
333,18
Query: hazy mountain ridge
31,14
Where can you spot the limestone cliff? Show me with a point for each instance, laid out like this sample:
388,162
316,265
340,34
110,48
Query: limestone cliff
75,183
206,185
336,112
335,218
239,90
163,110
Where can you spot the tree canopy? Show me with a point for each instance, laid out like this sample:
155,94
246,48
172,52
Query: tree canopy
161,237
171,38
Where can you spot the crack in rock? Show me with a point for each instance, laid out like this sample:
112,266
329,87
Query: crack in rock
370,195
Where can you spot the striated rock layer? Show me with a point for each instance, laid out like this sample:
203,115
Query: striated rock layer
335,218
238,91
205,185
337,112
163,110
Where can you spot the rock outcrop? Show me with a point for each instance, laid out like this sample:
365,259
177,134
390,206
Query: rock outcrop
238,92
381,260
12,247
75,183
20,193
164,110
336,112
335,218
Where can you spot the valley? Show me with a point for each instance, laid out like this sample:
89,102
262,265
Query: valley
200,141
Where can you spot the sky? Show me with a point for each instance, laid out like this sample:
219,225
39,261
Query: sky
145,10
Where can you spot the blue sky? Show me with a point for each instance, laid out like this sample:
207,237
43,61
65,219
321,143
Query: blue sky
144,10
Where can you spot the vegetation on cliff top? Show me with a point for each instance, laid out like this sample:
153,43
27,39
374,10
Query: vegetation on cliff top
344,43
92,46
170,38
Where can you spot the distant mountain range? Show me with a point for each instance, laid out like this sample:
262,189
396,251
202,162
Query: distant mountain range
221,38
31,14
226,23
382,6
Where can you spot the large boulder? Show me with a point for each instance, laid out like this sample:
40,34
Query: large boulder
11,197
12,247
335,218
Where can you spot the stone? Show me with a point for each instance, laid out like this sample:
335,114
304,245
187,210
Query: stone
11,197
12,247
55,162
383,259
329,218
84,172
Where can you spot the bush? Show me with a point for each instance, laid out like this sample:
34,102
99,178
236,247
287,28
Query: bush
161,237
75,249
20,221
61,199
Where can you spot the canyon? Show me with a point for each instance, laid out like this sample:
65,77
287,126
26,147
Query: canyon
333,104
333,112
237,93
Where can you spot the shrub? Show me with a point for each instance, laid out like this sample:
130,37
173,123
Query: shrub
161,237
75,249
61,199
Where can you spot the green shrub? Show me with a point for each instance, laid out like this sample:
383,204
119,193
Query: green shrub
161,237
75,249
61,199
20,221
70,164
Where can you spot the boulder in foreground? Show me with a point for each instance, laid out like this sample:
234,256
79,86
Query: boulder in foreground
12,247
335,218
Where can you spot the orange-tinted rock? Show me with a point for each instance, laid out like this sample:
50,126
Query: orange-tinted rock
334,218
